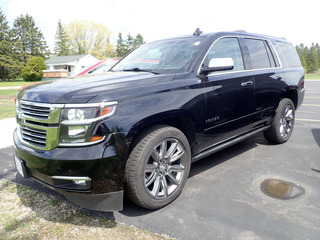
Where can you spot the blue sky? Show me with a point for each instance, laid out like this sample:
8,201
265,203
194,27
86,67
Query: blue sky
297,21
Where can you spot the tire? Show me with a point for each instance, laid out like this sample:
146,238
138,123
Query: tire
158,167
282,124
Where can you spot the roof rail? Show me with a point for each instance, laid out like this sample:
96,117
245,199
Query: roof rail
240,31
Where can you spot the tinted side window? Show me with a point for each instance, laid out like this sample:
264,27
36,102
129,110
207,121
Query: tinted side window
291,57
258,53
226,48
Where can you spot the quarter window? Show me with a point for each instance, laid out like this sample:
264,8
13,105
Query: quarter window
290,56
226,48
259,54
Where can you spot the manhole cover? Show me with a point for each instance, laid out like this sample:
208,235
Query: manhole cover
280,189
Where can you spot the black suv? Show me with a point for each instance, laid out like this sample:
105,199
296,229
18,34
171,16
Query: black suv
138,128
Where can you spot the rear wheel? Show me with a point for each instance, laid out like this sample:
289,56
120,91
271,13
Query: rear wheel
158,167
282,125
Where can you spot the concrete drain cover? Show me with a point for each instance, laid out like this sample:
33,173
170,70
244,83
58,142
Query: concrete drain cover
280,189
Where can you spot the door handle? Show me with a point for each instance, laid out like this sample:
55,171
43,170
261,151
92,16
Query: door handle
247,84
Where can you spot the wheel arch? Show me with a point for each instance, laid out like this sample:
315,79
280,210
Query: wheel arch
178,119
292,94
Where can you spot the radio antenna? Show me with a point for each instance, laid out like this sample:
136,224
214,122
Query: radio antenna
197,32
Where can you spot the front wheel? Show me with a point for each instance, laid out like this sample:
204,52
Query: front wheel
158,167
282,124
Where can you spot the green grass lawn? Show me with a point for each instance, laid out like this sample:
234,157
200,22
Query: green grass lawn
7,105
7,96
14,84
312,76
8,92
7,108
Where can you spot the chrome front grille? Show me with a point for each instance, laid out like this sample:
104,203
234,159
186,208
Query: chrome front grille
35,111
39,124
34,136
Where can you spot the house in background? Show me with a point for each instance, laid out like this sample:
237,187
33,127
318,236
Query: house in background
64,66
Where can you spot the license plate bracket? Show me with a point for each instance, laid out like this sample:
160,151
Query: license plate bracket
21,167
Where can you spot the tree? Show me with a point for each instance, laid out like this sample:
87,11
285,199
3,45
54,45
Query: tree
318,52
121,48
109,51
88,37
33,71
312,60
124,47
29,40
138,41
300,51
62,44
129,43
9,67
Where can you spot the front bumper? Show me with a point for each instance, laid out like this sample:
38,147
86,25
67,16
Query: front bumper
91,176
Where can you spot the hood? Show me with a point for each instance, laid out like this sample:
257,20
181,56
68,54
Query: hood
82,89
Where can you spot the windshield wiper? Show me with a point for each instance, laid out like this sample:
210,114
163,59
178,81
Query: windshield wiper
140,70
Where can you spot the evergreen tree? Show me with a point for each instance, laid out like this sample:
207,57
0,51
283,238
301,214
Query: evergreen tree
300,51
312,60
129,43
124,47
318,52
29,40
9,67
138,41
121,48
62,43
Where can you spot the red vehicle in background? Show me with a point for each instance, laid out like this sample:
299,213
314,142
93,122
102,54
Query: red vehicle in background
100,67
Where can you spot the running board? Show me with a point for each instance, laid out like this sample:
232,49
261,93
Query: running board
226,144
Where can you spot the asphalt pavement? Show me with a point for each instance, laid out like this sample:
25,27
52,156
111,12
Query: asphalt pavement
222,198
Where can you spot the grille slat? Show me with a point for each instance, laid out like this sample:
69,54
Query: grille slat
34,136
35,114
35,111
40,109
33,140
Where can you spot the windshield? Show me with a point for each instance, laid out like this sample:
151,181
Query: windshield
167,56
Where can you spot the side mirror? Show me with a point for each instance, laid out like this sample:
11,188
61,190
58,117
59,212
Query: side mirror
218,64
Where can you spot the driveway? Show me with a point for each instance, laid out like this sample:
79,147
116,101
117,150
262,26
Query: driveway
223,199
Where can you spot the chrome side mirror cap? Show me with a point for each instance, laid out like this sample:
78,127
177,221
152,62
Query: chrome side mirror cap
218,64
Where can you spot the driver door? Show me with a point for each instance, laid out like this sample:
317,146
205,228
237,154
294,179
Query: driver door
229,95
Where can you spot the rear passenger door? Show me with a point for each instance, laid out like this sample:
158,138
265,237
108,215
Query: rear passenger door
268,77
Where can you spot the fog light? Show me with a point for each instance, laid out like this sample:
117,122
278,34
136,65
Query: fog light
72,182
80,182
77,131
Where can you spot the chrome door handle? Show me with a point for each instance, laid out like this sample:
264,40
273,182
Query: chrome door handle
247,84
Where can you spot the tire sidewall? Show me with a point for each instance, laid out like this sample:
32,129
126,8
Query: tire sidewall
158,136
280,112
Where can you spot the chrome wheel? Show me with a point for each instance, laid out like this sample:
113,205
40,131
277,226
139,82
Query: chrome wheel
158,167
165,168
282,125
287,121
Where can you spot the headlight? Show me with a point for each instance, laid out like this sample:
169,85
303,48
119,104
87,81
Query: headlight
78,121
75,114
